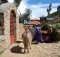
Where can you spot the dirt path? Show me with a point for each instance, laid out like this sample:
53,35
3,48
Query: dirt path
38,50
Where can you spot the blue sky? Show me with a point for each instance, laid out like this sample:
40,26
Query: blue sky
38,7
42,1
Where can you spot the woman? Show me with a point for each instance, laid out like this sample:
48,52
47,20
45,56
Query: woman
46,32
37,37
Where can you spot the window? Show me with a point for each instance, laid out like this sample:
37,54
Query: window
1,23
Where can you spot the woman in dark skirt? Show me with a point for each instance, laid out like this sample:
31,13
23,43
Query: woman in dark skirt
38,36
46,32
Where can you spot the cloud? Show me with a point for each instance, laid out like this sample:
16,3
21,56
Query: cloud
11,1
38,10
41,9
23,6
55,5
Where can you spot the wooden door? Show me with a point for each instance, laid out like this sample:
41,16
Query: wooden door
12,29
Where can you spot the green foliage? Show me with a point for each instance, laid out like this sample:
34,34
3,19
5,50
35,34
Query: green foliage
56,25
25,16
58,8
27,12
17,2
3,1
55,14
45,27
49,9
54,35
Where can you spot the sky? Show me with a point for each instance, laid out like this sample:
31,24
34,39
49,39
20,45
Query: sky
38,7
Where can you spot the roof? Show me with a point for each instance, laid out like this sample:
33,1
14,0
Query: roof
43,17
33,23
50,18
35,19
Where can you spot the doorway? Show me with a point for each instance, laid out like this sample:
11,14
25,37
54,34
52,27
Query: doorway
12,26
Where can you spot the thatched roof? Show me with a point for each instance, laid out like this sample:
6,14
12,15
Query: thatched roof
33,23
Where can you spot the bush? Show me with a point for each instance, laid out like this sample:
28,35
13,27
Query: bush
54,35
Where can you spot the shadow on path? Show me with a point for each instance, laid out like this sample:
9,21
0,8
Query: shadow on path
19,42
16,49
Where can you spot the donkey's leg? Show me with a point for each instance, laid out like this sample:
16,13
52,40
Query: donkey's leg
27,49
24,49
29,45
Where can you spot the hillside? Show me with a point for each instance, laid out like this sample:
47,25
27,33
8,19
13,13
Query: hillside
54,15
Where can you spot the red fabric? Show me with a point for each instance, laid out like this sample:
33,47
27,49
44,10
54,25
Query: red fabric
12,29
47,38
12,39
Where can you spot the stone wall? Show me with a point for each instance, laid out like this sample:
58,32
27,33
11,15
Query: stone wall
21,30
2,43
6,9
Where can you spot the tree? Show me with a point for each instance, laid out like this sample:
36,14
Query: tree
17,2
3,1
58,9
27,13
25,16
49,9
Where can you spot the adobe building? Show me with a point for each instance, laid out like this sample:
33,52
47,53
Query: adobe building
9,24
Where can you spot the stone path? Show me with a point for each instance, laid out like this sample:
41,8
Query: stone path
38,50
